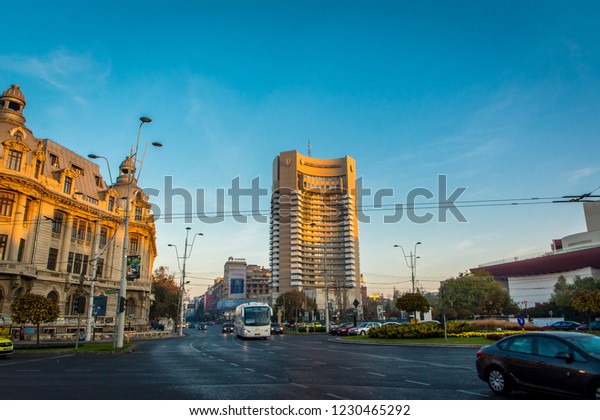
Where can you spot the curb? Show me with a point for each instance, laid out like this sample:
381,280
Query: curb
371,343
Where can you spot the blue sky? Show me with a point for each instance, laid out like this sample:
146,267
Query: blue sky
501,97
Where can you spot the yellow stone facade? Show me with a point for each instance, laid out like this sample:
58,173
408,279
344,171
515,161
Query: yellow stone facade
61,223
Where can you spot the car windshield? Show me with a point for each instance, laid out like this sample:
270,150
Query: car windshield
589,343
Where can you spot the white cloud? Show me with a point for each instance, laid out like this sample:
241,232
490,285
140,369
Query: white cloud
65,70
578,174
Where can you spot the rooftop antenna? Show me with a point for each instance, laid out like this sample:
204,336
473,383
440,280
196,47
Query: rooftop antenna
308,147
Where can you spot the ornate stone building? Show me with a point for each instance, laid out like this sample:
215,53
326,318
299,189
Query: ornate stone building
61,226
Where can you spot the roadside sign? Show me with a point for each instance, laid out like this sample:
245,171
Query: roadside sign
111,292
521,320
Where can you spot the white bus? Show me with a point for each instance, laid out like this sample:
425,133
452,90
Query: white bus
253,320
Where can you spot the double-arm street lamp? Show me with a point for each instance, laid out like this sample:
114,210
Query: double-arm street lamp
131,178
411,262
325,279
95,256
187,250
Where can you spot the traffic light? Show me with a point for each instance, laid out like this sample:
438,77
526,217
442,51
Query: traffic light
121,304
81,304
78,304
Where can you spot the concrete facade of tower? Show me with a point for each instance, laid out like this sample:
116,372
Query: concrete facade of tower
314,229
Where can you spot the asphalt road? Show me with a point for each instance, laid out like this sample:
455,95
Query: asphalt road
211,365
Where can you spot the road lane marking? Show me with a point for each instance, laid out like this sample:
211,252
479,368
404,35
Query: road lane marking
233,364
249,369
269,376
20,362
376,374
418,383
337,397
320,363
472,393
300,385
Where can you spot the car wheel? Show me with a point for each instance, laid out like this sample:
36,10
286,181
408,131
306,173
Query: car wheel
498,382
363,333
595,394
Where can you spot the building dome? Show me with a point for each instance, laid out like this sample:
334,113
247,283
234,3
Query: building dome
14,92
12,104
126,171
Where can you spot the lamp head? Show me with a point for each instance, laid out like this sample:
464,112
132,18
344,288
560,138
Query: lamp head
145,120
93,156
171,245
157,144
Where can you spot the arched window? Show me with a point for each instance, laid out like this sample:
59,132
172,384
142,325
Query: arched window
130,308
6,203
53,296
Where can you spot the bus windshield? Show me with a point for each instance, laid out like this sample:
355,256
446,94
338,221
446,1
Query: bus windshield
257,316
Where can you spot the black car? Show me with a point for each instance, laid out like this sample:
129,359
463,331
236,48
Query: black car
202,326
276,328
594,325
565,325
157,326
558,362
228,327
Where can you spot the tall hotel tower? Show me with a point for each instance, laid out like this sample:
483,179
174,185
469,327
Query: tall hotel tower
314,229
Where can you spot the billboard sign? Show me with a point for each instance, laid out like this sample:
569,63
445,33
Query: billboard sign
236,282
133,267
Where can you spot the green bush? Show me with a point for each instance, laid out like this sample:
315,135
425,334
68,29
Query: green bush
407,331
458,327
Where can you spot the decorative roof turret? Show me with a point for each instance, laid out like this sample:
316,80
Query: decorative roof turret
127,172
12,104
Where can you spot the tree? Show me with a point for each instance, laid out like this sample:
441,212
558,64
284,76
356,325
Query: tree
413,302
562,297
475,294
166,295
291,303
34,309
588,302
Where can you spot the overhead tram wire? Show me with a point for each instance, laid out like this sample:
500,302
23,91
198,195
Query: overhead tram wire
382,207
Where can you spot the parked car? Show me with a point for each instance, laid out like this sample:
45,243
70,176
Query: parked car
363,329
227,327
391,324
276,328
6,347
157,326
558,362
595,325
334,329
342,331
202,326
565,325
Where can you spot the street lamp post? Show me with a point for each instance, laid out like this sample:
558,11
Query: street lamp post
325,279
187,250
412,257
121,301
411,262
95,256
